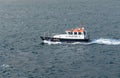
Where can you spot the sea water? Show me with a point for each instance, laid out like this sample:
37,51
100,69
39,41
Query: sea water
22,55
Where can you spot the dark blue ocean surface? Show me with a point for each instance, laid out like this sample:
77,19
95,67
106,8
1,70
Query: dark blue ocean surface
23,21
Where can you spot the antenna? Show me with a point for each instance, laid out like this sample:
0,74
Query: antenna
80,24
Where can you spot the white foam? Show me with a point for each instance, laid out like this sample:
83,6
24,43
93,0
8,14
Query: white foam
50,42
107,41
74,43
5,65
84,43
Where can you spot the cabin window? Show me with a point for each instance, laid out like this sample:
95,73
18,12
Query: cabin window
79,33
84,33
75,33
70,33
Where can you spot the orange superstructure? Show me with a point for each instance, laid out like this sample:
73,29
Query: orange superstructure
76,30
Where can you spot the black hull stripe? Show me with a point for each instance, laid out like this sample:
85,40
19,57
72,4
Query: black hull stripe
64,40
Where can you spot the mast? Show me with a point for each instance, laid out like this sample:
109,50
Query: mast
80,24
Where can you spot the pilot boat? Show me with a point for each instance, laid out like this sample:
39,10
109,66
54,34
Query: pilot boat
71,35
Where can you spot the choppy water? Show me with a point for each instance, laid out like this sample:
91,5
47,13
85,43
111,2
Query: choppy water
23,21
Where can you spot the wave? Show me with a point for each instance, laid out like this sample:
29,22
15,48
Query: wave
5,65
50,42
95,41
106,41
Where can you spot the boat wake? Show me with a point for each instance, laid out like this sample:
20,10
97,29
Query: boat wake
106,41
50,42
102,41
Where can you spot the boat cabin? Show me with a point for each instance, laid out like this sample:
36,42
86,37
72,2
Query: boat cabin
76,31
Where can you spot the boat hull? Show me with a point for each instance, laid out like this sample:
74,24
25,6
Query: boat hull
64,40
